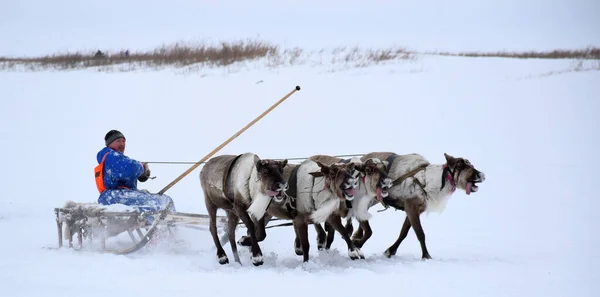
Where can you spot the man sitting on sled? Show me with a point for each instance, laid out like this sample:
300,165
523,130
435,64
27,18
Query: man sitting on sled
117,176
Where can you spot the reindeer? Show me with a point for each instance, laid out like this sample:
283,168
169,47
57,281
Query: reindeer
419,186
243,186
373,183
317,193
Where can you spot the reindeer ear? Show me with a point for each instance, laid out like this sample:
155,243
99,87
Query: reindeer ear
324,168
284,162
449,159
317,174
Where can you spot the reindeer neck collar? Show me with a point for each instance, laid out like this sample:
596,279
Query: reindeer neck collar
448,174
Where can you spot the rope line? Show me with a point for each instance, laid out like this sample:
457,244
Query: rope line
289,159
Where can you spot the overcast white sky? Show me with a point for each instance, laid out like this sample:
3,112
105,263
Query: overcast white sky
440,25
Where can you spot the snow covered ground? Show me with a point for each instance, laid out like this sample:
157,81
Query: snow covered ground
530,125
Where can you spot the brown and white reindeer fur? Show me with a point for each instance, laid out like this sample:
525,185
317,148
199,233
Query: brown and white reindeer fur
243,186
372,182
419,186
318,193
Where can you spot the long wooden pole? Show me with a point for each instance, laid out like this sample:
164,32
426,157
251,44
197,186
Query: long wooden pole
297,88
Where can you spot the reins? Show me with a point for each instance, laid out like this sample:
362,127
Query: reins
289,159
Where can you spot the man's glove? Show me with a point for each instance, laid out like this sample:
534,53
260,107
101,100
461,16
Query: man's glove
146,174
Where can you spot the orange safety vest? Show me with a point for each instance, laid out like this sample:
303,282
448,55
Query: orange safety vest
99,174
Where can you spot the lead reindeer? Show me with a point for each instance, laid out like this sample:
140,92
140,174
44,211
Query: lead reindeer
243,186
419,186
317,193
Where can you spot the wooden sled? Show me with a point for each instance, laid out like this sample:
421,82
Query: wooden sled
93,221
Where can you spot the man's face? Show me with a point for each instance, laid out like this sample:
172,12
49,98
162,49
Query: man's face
118,145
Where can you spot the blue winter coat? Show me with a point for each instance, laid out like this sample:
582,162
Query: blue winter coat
122,171
119,170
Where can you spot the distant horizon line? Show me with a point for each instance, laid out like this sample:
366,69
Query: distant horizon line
184,54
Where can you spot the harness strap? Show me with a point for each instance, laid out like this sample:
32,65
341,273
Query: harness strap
449,175
401,178
312,187
348,203
390,160
226,191
445,173
411,173
293,189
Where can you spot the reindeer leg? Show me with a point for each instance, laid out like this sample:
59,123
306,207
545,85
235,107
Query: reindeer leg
212,213
353,252
349,226
232,221
245,240
359,233
302,234
359,242
297,244
257,257
330,235
413,215
321,237
403,233
261,232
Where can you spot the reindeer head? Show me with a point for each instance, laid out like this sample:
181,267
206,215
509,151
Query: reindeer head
462,173
270,173
376,181
339,179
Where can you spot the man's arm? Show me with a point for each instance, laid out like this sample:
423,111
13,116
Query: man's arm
145,174
123,168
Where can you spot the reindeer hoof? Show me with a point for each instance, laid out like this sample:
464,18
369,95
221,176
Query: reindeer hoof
257,260
426,257
389,253
223,260
355,254
321,246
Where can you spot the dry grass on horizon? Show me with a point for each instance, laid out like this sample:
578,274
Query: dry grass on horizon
590,53
197,56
